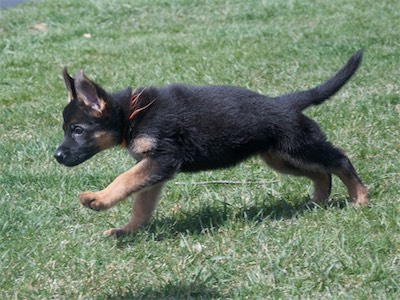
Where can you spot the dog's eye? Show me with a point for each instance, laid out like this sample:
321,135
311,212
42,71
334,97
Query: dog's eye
77,130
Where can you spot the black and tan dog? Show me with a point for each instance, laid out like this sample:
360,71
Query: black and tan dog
180,128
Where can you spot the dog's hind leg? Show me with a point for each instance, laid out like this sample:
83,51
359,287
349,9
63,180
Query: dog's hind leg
324,155
317,162
282,163
142,209
322,186
348,175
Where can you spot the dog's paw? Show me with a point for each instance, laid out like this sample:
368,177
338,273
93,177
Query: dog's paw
115,232
93,201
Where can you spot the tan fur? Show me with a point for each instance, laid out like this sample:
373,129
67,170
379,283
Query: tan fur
129,182
142,209
357,191
104,139
70,96
287,164
322,187
97,108
321,180
142,145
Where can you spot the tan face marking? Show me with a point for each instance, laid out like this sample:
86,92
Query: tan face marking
104,139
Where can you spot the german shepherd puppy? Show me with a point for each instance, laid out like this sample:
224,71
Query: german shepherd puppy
181,128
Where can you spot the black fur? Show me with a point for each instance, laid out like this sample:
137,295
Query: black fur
211,127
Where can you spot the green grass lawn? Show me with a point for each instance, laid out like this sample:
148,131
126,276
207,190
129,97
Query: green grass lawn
234,241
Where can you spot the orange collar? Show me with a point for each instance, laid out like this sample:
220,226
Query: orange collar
134,109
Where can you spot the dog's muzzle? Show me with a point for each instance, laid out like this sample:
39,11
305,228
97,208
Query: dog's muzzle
60,155
67,157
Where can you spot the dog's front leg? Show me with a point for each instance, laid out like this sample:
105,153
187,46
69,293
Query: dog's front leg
146,179
142,209
144,174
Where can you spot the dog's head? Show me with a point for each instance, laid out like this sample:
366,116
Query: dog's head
91,122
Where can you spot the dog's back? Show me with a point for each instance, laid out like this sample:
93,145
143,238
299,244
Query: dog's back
218,126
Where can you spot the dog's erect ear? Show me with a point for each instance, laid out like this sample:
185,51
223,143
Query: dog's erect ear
87,93
69,84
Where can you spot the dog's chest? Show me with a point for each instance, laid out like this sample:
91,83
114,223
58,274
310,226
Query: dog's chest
141,146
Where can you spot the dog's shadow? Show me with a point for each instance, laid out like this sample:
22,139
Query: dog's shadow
210,218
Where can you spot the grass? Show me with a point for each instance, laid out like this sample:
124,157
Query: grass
238,241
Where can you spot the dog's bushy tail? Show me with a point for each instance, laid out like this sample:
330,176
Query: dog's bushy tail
315,96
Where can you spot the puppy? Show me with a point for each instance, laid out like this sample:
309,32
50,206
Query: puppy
181,128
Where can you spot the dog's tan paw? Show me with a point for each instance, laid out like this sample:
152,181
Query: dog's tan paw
115,232
93,201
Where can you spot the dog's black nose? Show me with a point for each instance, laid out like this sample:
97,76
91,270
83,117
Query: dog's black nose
59,155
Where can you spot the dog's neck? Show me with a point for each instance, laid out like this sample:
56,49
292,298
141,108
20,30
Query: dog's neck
131,107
